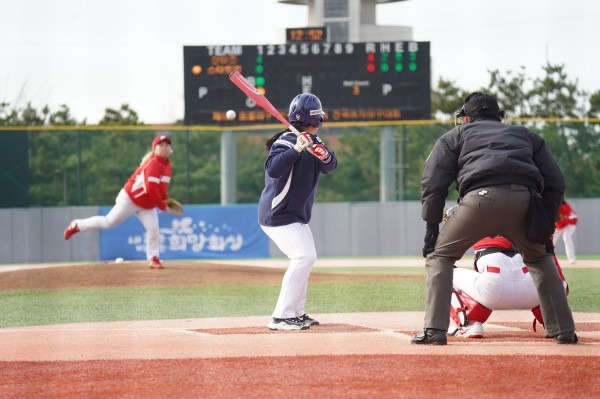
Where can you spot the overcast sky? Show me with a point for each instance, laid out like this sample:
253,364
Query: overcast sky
91,55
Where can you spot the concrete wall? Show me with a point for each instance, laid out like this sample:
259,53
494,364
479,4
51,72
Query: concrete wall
33,235
367,229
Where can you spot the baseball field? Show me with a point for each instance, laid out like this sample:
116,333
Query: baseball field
198,329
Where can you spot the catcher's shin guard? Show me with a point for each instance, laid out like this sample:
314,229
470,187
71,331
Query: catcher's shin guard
537,313
458,313
464,309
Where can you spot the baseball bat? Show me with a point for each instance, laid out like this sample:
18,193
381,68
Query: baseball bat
262,101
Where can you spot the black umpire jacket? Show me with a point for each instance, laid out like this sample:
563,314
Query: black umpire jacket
487,152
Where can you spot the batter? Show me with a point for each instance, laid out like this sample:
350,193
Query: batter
292,171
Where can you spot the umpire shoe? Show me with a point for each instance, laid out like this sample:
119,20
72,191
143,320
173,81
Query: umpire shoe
430,336
567,339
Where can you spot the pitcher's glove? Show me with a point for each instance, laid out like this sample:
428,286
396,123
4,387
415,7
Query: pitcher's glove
174,207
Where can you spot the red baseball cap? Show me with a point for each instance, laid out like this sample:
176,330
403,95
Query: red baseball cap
160,139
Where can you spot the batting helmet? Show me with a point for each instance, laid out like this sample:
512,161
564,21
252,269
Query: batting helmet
306,108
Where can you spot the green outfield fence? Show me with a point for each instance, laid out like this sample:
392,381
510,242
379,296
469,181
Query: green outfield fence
48,166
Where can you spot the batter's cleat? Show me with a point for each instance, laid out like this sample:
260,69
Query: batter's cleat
308,321
71,229
155,263
293,323
567,339
473,330
430,336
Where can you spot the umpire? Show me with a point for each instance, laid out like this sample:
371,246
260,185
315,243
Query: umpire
497,168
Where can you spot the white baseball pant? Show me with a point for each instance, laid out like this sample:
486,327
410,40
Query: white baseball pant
510,288
567,235
125,207
297,243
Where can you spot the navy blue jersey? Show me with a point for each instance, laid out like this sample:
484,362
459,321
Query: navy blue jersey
291,180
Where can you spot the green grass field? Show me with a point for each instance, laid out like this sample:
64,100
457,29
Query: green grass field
40,307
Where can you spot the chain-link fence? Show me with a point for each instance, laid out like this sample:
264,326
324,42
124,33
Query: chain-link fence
87,165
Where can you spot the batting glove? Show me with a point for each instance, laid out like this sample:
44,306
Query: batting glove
302,142
321,152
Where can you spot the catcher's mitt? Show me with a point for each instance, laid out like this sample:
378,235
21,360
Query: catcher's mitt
449,212
174,207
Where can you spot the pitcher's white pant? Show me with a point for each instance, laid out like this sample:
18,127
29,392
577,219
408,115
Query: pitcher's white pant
567,235
509,289
297,243
125,207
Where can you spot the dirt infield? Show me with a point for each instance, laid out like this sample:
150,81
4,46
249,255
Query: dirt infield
361,355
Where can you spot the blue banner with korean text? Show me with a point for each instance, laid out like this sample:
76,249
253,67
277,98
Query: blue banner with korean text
203,231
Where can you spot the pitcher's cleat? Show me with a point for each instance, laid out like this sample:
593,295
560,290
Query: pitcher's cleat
71,229
155,263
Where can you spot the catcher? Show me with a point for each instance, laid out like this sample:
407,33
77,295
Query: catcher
145,191
500,281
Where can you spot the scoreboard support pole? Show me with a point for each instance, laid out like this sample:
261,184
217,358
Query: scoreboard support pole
387,165
403,165
228,166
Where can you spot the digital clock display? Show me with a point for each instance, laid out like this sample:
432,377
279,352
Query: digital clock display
372,81
298,35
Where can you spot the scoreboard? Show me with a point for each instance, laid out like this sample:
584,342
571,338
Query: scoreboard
371,81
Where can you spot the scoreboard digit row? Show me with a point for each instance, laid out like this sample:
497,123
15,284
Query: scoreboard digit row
355,81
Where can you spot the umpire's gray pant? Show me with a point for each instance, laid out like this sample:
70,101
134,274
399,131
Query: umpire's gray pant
490,211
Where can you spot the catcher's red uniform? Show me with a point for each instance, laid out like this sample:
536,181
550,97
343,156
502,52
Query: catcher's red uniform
500,281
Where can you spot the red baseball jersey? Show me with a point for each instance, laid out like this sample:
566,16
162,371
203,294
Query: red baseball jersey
149,184
566,216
